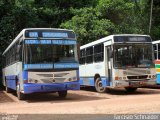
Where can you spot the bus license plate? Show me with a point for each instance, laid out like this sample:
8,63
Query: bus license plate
136,83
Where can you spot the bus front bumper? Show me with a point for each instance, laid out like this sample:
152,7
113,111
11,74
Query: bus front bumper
140,83
34,88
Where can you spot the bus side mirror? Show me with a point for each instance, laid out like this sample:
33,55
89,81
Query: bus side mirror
18,48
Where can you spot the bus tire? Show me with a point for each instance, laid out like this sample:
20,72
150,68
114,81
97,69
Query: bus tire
20,95
130,89
98,86
62,94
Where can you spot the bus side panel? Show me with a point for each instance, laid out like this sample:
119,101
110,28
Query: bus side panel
88,71
90,81
11,81
11,74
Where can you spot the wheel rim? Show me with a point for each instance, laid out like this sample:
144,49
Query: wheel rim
99,86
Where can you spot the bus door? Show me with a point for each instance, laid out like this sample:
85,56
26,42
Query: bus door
108,64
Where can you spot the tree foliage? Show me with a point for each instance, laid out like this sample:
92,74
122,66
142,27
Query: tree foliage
88,26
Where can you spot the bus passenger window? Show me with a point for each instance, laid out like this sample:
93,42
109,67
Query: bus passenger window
82,56
89,55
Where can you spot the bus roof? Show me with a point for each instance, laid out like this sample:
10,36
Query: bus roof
108,38
21,34
155,42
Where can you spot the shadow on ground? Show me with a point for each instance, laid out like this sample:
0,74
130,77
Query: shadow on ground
122,91
73,96
53,97
85,94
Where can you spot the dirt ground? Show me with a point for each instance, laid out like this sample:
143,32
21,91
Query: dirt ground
4,98
86,101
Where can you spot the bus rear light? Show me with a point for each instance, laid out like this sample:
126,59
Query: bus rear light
25,81
36,81
116,78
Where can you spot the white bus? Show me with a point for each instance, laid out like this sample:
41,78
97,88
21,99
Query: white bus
156,46
124,60
42,60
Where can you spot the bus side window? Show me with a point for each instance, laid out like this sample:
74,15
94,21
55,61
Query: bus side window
89,55
82,56
158,51
98,53
155,51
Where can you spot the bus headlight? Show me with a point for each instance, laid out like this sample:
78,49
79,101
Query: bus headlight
70,79
25,81
153,76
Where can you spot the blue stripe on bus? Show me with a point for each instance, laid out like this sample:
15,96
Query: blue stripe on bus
158,78
33,88
25,75
66,65
11,81
57,42
91,82
11,84
11,77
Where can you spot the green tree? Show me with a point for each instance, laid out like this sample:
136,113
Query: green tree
88,26
127,15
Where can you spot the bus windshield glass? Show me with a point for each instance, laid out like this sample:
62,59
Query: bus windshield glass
49,53
133,55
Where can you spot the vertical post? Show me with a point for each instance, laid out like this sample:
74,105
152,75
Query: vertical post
157,50
150,22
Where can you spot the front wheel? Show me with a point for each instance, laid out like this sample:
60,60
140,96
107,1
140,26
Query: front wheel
62,94
98,86
130,89
20,95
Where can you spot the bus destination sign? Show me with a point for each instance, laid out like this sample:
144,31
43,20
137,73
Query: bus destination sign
132,39
49,34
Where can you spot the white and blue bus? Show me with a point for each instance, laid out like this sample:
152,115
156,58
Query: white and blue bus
42,60
124,60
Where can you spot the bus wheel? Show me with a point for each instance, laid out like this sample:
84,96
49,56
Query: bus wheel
98,86
130,89
62,94
20,95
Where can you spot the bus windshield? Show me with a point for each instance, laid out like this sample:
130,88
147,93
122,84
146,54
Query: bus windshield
49,53
133,55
